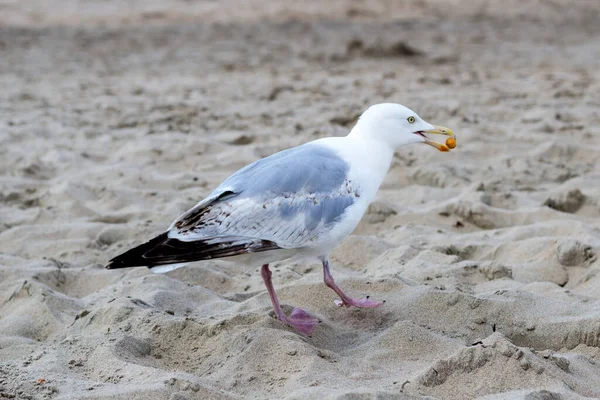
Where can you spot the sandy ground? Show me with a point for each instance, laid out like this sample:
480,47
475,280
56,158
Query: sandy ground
117,116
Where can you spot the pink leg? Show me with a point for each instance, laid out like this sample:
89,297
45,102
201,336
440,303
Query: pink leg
345,301
299,319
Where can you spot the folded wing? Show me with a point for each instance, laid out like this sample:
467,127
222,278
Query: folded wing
284,201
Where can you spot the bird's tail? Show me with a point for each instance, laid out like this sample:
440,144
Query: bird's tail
163,250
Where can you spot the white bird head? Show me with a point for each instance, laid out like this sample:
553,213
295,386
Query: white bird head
396,125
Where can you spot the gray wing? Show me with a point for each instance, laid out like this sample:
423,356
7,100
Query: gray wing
289,198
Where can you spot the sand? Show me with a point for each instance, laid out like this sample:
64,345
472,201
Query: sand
115,118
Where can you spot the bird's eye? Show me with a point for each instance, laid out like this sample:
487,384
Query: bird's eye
411,120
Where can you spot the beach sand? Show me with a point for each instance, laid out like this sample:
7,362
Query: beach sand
115,117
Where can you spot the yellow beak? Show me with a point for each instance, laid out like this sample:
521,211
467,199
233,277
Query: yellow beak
441,130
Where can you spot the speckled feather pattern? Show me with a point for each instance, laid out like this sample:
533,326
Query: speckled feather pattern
290,198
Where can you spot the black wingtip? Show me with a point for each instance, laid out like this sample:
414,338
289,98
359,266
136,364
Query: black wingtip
135,257
163,250
115,264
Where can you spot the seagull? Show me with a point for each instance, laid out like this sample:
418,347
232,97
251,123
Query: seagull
296,205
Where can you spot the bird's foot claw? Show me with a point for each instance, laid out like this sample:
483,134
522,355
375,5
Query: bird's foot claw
301,321
360,303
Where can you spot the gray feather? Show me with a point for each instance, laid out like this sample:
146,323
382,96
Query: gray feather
289,198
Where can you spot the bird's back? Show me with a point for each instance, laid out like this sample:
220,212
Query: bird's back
286,201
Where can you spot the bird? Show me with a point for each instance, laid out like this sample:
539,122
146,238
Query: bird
297,204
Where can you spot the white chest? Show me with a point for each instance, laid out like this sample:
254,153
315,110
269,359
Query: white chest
369,163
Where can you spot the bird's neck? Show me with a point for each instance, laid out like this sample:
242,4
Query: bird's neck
379,151
373,158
